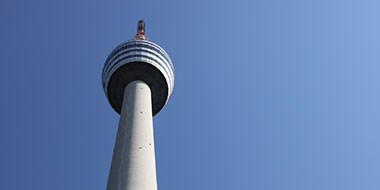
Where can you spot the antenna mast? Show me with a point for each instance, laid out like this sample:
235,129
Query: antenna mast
140,35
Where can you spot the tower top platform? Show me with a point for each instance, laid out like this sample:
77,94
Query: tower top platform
138,59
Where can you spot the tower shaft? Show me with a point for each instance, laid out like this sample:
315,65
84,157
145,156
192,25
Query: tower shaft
133,164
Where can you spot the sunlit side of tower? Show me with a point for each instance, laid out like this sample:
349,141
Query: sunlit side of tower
138,79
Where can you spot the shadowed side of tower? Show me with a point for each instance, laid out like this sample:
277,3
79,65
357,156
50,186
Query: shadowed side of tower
138,79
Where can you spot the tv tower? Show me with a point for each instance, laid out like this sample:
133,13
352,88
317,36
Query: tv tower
138,79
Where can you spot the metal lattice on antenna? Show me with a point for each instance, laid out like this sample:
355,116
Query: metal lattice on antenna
140,35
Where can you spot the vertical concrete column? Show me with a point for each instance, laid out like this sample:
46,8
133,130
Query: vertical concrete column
133,164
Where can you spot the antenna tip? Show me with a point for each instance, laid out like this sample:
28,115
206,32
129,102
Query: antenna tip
141,31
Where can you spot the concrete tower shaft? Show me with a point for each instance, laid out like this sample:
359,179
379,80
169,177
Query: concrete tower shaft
133,164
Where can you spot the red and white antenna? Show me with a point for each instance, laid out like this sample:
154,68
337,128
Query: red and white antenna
141,31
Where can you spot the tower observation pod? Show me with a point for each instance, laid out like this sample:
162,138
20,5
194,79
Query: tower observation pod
138,79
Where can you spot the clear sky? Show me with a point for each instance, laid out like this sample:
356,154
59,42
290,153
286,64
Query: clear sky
269,94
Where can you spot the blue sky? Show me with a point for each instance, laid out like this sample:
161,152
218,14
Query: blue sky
268,94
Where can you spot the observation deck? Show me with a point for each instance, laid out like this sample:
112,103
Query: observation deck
138,59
